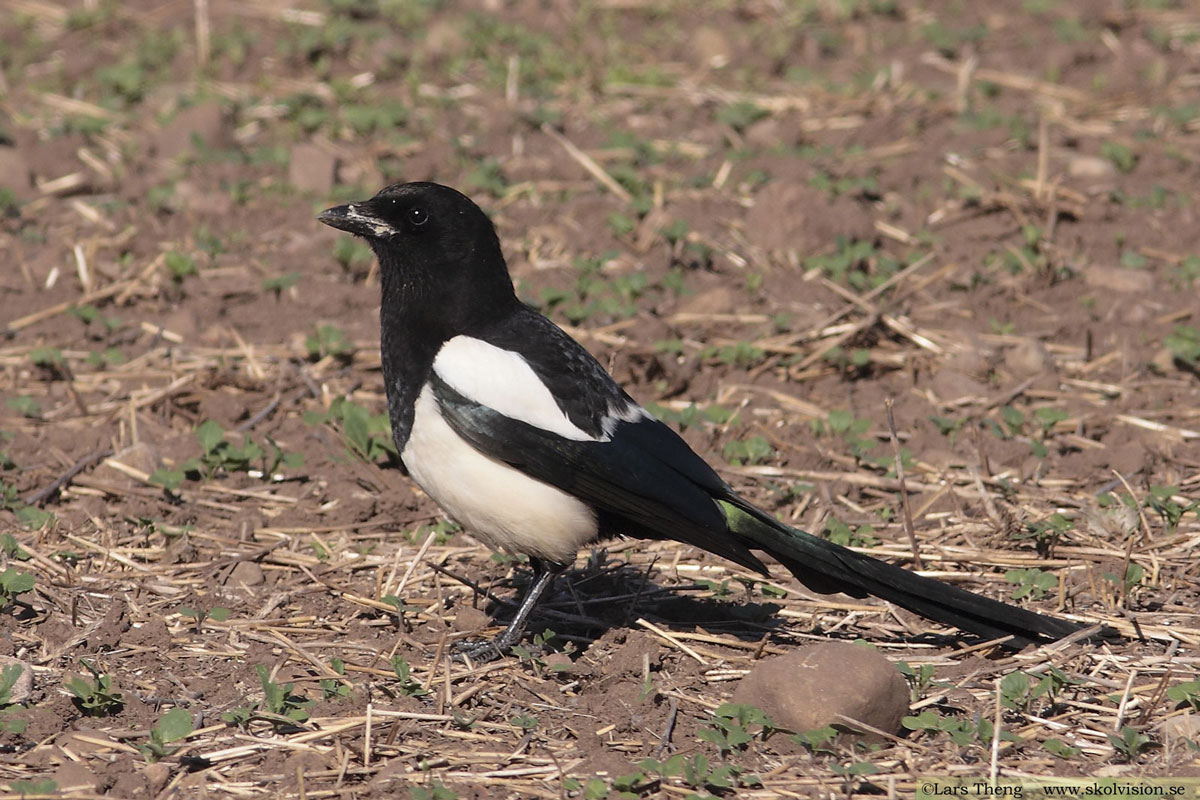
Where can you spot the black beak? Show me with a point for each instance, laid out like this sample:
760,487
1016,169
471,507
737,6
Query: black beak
356,218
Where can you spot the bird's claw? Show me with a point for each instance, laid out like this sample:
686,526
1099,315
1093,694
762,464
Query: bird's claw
477,652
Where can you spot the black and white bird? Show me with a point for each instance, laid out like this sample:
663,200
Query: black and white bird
521,436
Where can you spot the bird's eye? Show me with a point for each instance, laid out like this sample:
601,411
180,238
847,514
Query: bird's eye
417,216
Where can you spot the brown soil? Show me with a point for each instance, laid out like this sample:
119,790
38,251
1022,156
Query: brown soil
784,214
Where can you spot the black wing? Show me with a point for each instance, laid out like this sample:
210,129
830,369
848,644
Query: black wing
644,474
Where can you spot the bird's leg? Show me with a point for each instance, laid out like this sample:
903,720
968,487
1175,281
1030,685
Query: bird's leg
544,574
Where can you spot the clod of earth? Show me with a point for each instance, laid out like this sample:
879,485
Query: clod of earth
827,684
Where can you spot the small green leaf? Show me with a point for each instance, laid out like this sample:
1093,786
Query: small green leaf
174,725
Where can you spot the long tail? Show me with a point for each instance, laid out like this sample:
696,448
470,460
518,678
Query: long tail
827,567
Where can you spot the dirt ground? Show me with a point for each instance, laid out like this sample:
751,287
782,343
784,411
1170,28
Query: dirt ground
766,218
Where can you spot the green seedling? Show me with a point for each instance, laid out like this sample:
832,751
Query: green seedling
280,283
729,727
95,698
751,450
1183,342
172,726
108,357
1019,689
367,436
839,532
14,583
409,687
50,358
1046,533
739,354
11,549
1161,501
1134,573
817,740
199,615
44,786
9,205
525,722
1188,272
278,700
352,254
1188,693
30,517
1130,743
1060,749
961,731
279,706
8,679
332,688
329,340
1032,582
692,415
434,790
180,265
696,772
919,679
741,115
843,425
1121,155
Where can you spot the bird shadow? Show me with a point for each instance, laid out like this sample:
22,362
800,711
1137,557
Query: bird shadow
602,595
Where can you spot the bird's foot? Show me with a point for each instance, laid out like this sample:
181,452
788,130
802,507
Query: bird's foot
479,652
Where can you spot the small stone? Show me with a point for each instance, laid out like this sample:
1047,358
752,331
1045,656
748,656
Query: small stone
246,573
468,619
203,123
202,200
765,133
710,48
1028,358
1177,729
22,690
950,385
1117,279
142,456
1091,168
312,169
1113,770
157,775
822,684
15,174
73,777
559,662
443,40
789,215
720,300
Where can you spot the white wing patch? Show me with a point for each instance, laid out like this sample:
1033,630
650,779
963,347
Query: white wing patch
503,381
632,412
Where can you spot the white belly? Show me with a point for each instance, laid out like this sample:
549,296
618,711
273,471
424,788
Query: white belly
500,505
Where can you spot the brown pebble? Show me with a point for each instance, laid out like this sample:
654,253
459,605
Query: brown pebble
246,573
157,775
1028,358
15,174
1118,279
826,684
312,169
203,123
469,619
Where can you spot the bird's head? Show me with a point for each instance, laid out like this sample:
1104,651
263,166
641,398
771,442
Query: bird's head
433,244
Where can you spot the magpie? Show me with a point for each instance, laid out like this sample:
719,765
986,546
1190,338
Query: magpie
521,436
